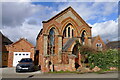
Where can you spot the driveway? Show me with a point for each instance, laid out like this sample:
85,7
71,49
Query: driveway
10,73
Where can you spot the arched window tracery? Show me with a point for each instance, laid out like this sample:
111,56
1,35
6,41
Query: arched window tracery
68,31
51,41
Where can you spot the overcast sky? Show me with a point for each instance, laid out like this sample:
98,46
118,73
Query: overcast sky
24,19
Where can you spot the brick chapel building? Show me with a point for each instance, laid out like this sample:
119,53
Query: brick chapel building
56,42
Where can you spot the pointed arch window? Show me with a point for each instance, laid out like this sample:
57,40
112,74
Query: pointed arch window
51,41
68,31
83,37
51,34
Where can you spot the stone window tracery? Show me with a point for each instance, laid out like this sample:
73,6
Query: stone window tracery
68,31
51,42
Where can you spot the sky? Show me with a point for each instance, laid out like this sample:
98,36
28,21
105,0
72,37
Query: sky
24,19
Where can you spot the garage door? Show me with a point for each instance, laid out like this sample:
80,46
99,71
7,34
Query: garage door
18,56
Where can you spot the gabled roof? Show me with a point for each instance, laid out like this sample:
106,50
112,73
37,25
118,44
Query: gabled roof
68,44
60,14
94,38
5,39
113,44
23,40
63,12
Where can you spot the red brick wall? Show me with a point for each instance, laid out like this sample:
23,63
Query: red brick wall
65,59
52,23
56,44
39,46
98,40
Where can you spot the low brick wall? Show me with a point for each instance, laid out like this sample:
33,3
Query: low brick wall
63,67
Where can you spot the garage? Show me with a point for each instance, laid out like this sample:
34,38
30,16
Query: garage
18,50
18,56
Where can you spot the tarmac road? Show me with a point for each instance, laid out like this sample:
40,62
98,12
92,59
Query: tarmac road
10,73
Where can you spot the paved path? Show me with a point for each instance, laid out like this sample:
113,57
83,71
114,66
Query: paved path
10,73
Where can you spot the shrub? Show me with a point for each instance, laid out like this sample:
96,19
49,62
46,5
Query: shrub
104,60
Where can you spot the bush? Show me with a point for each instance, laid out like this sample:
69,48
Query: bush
86,51
104,60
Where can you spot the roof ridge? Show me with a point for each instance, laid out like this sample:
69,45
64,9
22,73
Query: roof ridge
24,40
68,43
57,14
